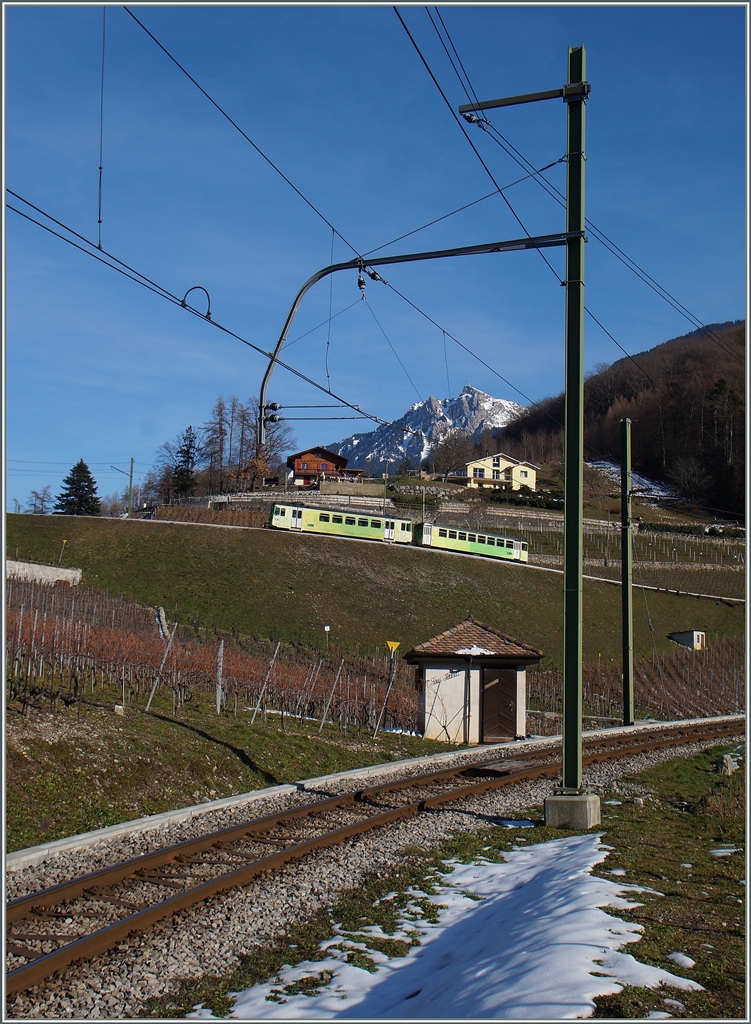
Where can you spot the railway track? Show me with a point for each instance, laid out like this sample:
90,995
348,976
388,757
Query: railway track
83,917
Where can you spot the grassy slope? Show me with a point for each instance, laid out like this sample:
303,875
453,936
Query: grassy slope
82,769
271,583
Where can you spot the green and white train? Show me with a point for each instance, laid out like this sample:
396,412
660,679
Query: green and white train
366,526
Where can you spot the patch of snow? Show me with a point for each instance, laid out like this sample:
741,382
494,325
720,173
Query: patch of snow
658,1015
536,945
618,871
514,823
613,803
723,853
687,865
639,483
675,1004
681,959
474,650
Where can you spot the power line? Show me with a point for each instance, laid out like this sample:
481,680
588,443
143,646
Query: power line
380,326
466,206
247,138
164,293
558,196
466,136
527,162
101,123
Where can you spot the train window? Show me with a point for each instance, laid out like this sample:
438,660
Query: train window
350,521
452,534
443,533
462,536
362,522
324,517
281,511
524,546
509,543
491,540
375,524
480,539
471,538
336,519
407,527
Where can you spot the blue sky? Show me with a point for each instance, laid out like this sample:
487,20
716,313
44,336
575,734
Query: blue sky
101,369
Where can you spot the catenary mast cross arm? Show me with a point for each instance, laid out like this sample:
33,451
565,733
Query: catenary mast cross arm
511,245
573,91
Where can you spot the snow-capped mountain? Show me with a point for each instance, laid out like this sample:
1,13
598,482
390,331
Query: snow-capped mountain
423,426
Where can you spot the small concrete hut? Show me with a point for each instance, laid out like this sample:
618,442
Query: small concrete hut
472,684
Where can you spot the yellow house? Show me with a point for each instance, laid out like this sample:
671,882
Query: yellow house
501,471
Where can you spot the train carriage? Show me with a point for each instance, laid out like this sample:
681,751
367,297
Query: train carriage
471,542
344,523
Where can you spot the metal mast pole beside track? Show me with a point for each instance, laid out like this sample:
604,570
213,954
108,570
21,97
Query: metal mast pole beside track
627,628
574,94
574,434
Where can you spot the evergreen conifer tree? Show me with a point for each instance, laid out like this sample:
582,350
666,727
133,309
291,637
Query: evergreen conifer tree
186,457
78,496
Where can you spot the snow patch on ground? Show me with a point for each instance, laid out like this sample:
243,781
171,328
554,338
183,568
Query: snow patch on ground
526,939
639,483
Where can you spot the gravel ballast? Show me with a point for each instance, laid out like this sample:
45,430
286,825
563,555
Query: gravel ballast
208,938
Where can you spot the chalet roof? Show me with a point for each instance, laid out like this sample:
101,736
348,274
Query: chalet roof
318,452
506,458
473,639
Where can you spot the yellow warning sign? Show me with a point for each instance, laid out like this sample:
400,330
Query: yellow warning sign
393,644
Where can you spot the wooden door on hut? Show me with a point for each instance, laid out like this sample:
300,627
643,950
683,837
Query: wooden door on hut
498,704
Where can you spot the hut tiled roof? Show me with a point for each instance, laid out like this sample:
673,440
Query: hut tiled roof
473,639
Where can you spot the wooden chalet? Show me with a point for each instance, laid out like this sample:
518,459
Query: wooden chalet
313,465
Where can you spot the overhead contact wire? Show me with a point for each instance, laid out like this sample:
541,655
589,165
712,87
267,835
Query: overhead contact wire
101,124
247,138
164,293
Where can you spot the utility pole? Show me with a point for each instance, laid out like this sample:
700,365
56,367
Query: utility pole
627,628
130,486
573,490
571,806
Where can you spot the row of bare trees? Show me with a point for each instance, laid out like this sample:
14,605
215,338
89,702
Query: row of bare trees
222,455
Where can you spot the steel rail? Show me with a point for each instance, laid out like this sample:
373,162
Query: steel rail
91,886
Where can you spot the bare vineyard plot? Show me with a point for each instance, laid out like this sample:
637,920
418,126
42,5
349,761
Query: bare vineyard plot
63,643
674,683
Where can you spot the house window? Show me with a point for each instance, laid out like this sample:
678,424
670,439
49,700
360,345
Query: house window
303,465
478,474
324,466
507,474
496,474
524,473
496,460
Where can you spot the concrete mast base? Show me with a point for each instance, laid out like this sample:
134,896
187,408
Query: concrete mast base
572,810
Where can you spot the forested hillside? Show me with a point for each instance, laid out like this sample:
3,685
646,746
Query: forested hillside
686,399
